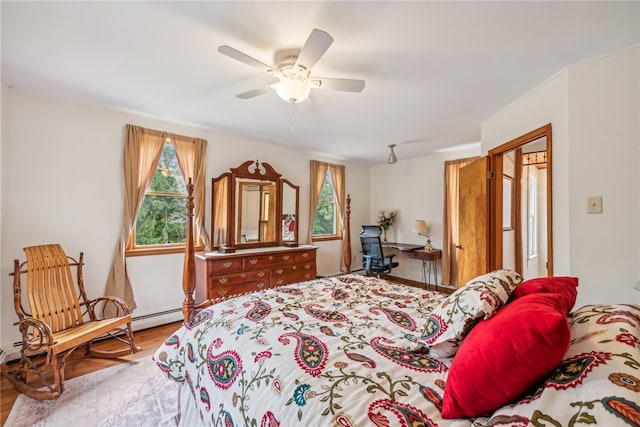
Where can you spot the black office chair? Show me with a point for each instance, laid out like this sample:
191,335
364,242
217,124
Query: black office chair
374,261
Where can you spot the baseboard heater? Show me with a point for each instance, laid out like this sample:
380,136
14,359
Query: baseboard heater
138,323
158,314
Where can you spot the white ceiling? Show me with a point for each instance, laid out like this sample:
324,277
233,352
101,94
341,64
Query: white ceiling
434,71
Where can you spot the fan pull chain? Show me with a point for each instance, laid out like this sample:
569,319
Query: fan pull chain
292,117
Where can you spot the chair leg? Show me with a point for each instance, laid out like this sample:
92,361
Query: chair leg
58,373
129,341
43,389
134,348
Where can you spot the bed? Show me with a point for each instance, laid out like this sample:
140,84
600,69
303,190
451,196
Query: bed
353,350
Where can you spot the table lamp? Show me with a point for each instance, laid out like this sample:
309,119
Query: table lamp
420,228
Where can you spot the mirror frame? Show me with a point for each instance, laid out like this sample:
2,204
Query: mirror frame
220,211
295,188
496,157
228,211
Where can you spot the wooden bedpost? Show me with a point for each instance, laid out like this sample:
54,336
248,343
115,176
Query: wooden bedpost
189,268
346,254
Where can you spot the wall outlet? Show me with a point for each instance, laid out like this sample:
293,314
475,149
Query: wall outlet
594,205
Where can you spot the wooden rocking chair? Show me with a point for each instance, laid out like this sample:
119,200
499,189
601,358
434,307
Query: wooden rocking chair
60,319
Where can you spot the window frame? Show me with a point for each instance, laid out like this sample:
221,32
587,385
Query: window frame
337,235
133,250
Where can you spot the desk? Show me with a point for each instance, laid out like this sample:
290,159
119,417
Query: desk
429,259
401,246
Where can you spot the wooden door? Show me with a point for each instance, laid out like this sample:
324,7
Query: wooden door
473,227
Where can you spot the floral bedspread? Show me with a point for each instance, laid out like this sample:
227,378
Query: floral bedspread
337,351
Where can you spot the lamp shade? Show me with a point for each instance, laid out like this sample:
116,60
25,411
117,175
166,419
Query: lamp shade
293,90
419,227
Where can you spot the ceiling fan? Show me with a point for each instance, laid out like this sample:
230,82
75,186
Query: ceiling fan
293,71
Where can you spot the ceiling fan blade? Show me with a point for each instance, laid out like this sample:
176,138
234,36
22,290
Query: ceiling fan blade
243,57
313,49
345,85
255,92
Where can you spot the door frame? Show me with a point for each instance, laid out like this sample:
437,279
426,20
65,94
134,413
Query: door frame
496,157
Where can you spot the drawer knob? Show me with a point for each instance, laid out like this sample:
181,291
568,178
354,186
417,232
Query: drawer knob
260,285
222,293
261,274
223,280
305,255
279,271
227,264
279,282
307,266
243,275
253,261
270,257
285,257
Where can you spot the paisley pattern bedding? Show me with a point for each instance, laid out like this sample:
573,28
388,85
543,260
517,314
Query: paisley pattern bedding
341,351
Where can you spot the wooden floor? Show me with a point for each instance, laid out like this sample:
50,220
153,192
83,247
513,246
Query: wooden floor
78,364
429,287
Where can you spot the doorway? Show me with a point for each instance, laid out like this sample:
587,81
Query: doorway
505,209
520,236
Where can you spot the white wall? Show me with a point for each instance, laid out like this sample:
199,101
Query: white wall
593,109
415,188
603,115
62,181
546,104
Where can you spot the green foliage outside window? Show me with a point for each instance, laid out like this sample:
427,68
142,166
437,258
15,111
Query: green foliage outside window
163,215
325,219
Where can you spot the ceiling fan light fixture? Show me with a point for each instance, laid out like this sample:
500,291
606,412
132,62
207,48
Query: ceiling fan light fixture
292,90
392,156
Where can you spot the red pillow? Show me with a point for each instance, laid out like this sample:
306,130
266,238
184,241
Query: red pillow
564,286
505,355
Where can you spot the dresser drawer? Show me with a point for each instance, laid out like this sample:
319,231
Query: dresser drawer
290,269
238,278
259,261
286,279
224,266
227,291
423,254
305,256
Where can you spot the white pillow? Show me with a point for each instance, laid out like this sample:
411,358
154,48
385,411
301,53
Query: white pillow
478,299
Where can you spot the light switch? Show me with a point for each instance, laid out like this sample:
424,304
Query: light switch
594,205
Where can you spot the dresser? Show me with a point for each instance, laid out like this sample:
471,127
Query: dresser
220,276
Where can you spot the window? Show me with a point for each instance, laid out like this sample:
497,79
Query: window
328,184
162,218
325,223
155,222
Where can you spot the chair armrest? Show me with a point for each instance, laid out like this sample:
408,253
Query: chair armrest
390,256
114,306
30,344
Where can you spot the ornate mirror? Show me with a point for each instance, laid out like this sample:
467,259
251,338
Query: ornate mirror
256,211
251,206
